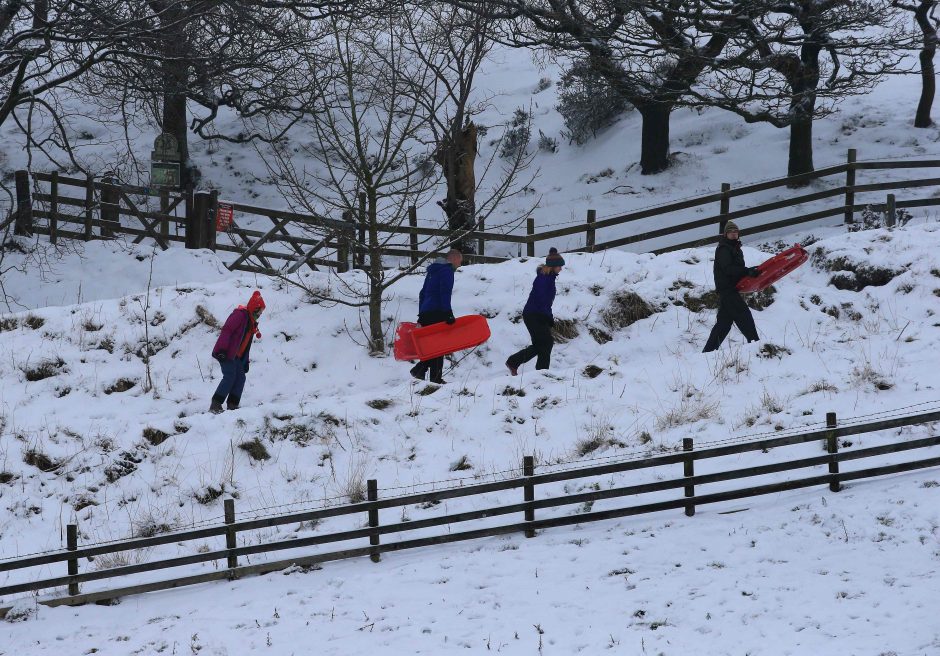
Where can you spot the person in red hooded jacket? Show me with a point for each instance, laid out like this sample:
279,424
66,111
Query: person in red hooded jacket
231,350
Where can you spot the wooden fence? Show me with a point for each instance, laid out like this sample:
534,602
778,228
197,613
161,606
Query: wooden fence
688,500
298,240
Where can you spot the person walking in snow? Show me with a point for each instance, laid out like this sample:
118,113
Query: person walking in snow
231,350
729,269
434,307
537,316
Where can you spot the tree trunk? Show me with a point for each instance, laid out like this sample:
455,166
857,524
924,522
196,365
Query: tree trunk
376,333
801,148
457,157
928,83
928,89
175,80
654,148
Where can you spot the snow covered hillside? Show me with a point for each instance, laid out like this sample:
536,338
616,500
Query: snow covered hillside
854,331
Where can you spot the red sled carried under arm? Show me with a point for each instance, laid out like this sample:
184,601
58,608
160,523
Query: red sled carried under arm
413,342
774,269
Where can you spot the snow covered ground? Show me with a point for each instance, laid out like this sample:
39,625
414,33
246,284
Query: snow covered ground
796,571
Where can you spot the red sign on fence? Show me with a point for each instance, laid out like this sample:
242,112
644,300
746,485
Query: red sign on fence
224,216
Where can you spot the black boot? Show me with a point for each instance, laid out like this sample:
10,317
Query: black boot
215,407
419,371
232,404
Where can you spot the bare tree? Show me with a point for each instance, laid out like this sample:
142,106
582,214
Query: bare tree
924,16
651,51
795,63
370,129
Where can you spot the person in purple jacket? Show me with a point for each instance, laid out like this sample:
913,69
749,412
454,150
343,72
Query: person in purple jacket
231,350
537,316
434,307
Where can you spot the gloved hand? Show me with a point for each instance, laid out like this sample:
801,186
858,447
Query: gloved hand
753,272
246,367
451,319
219,356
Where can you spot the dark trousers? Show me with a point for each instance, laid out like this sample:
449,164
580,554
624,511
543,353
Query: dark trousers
731,309
232,383
435,366
540,329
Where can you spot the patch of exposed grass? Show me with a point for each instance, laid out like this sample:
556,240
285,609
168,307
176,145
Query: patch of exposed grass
626,308
39,460
379,404
44,369
565,330
208,494
592,371
34,322
255,449
120,385
155,436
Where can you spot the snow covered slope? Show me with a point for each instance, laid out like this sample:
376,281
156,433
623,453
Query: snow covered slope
854,331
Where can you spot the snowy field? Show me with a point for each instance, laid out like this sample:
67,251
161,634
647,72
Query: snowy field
794,573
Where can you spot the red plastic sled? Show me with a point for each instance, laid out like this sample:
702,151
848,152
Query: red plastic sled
412,342
774,269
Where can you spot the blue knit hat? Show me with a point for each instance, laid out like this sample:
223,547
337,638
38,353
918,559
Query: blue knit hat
554,259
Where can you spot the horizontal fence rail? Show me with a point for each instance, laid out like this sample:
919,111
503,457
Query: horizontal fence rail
297,240
529,481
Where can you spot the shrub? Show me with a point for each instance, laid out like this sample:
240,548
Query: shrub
547,144
518,133
872,219
587,103
209,494
7,477
462,464
8,323
771,350
34,322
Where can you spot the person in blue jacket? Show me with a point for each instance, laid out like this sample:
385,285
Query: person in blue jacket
434,307
537,316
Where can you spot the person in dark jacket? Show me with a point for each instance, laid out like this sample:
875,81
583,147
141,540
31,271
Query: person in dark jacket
434,307
537,316
729,269
232,349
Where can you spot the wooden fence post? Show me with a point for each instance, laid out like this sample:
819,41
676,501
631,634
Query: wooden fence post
591,236
89,206
189,214
362,231
23,225
530,233
724,207
891,219
211,234
528,492
850,186
342,248
230,542
200,221
413,237
688,470
54,208
164,209
832,447
110,210
71,543
372,491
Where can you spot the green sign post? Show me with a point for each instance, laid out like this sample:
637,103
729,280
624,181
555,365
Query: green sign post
165,162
